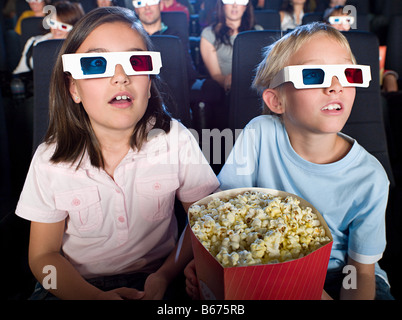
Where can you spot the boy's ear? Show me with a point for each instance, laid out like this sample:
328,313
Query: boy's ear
273,101
74,91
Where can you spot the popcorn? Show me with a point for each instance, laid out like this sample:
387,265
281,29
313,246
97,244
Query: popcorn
256,228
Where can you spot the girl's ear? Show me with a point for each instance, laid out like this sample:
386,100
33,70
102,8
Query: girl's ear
273,101
74,91
149,88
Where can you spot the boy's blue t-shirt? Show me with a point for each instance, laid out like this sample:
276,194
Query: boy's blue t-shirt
351,194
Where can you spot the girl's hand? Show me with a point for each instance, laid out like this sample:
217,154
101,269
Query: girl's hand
121,294
227,82
191,281
155,287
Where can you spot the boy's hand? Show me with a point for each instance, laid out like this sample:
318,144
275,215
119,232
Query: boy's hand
191,281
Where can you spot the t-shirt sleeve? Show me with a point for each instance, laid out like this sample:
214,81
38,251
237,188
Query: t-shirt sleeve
208,35
197,179
37,200
367,238
240,167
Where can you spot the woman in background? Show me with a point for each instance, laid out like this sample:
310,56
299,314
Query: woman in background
216,46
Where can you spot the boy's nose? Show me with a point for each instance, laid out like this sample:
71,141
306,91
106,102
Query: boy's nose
335,85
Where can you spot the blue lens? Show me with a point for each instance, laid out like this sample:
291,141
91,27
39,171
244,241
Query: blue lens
313,76
93,65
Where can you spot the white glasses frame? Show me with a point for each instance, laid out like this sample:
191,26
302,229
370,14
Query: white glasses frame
294,74
54,24
238,2
341,20
72,63
31,1
143,3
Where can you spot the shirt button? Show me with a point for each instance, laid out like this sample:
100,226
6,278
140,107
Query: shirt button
76,202
117,190
121,219
157,186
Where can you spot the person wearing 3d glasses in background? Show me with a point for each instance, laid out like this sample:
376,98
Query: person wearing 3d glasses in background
149,13
216,47
339,19
308,81
101,189
60,24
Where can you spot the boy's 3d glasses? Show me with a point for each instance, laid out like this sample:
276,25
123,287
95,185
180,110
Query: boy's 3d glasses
341,20
320,76
143,3
102,64
54,24
239,2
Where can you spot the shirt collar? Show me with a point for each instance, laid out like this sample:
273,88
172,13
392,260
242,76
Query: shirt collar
155,143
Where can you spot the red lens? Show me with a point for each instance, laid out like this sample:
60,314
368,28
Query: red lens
141,63
354,75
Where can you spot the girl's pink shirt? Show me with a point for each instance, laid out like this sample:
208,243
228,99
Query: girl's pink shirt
121,225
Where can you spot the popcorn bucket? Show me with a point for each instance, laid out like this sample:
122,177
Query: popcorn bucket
299,279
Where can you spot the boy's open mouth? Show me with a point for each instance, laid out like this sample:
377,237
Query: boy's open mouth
333,106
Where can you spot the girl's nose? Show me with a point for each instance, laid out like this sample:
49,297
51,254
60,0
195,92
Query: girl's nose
120,77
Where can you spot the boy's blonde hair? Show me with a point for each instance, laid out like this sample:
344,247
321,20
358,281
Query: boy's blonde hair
277,55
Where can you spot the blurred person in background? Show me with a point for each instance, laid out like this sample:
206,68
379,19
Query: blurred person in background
36,11
173,5
216,47
292,13
60,24
341,21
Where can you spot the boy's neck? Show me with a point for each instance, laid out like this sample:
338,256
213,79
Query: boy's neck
320,148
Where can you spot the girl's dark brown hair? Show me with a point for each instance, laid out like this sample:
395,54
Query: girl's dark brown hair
222,31
69,125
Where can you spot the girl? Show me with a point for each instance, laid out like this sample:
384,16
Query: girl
307,80
100,191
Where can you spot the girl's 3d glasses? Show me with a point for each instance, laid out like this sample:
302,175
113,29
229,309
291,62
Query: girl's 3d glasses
239,2
341,20
320,76
54,24
143,3
102,64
